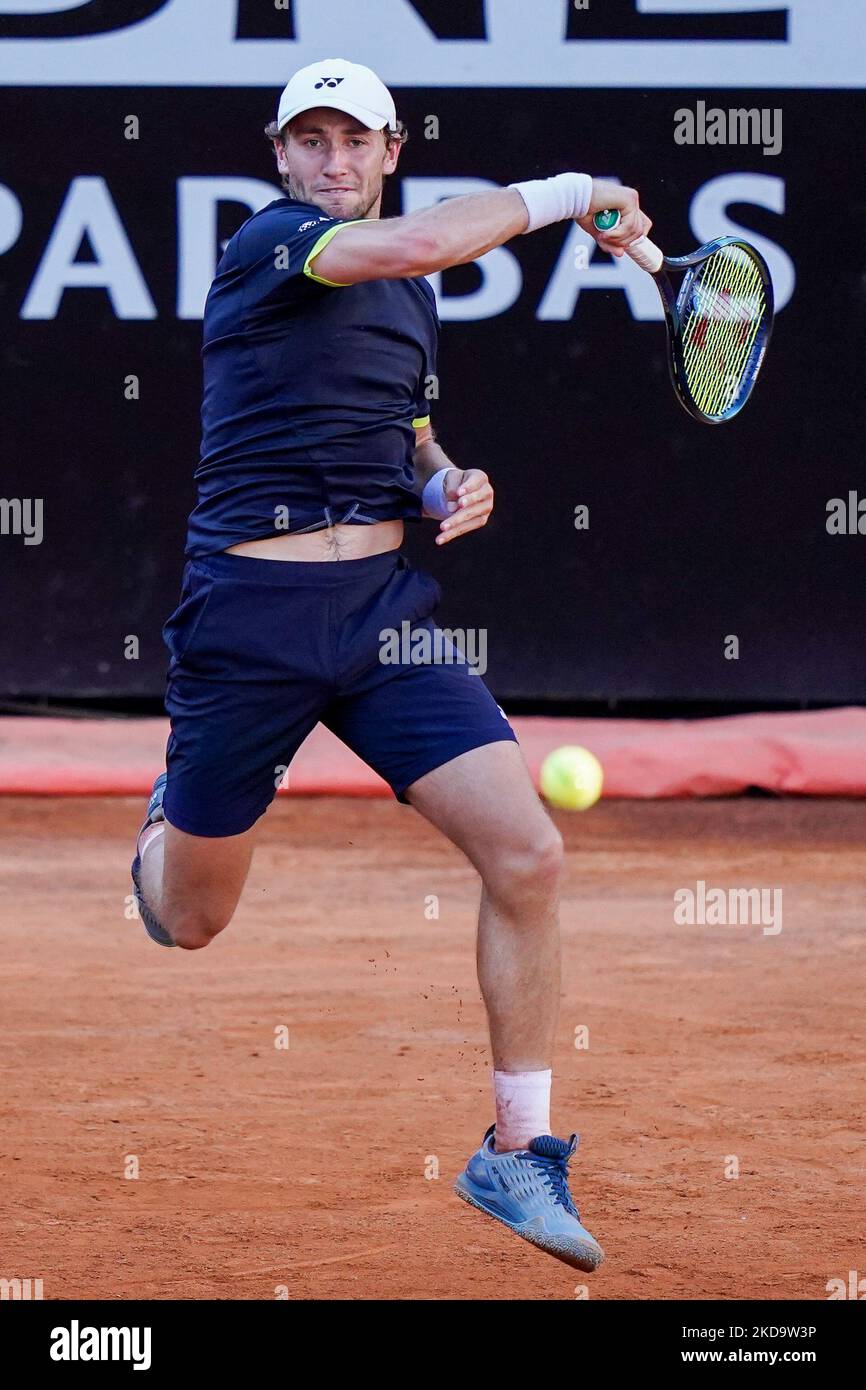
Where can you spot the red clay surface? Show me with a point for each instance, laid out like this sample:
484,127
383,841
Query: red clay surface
305,1167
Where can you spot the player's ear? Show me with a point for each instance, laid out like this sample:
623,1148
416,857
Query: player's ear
280,152
392,154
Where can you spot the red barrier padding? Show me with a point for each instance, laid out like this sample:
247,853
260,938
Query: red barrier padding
819,752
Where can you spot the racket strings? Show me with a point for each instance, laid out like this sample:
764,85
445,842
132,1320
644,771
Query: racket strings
726,308
720,331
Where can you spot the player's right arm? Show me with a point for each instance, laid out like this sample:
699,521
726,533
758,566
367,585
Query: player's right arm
455,231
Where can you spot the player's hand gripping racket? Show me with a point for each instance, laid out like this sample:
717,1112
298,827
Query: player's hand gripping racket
719,323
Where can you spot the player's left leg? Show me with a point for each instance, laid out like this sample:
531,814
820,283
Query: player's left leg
435,733
485,802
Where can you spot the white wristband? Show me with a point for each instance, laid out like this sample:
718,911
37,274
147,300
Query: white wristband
554,200
433,498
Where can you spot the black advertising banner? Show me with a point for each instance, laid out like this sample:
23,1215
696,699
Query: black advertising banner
629,544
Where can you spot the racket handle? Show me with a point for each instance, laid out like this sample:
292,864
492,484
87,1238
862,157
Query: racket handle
643,252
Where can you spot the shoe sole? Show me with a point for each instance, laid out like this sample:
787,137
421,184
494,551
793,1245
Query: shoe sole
575,1253
154,929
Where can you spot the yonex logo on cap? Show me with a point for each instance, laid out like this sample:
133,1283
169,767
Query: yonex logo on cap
328,82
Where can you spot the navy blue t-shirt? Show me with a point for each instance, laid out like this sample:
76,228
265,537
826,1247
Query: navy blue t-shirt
312,391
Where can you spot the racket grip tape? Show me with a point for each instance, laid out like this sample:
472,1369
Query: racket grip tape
643,252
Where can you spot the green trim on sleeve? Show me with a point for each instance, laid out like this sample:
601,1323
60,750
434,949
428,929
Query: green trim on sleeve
421,421
320,246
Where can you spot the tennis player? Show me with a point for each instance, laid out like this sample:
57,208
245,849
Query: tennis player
320,336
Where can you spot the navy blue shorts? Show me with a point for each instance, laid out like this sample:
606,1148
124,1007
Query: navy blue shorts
263,650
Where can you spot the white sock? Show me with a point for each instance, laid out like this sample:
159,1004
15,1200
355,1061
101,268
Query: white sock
522,1107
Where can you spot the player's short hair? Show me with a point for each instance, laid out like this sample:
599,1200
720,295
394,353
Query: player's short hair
392,137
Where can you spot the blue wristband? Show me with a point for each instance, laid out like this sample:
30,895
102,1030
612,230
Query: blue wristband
433,498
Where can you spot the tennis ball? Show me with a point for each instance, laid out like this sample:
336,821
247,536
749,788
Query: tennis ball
571,778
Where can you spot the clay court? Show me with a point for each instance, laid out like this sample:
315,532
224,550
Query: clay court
304,1168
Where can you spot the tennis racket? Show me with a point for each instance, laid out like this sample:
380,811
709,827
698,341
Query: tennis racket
719,323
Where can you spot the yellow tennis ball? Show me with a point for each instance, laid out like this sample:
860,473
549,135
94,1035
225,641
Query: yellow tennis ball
571,778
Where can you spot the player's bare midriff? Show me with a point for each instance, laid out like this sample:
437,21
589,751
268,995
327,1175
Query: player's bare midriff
341,542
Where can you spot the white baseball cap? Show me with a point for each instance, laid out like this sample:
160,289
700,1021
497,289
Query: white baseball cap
348,87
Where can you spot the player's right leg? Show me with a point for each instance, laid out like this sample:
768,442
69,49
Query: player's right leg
188,886
250,646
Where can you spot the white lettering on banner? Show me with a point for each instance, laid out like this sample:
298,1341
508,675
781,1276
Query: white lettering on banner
11,219
501,276
198,254
525,45
568,281
708,218
88,208
40,6
714,6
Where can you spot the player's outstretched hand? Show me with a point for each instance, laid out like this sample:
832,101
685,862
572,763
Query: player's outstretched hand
470,488
633,222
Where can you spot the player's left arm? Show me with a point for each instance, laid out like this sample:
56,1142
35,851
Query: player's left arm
468,489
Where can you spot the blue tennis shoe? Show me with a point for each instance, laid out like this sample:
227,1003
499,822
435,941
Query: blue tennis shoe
527,1190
